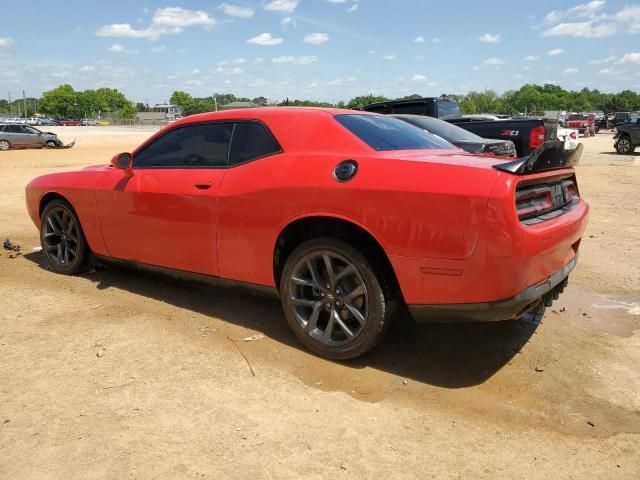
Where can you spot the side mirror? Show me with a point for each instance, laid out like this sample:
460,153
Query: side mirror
123,161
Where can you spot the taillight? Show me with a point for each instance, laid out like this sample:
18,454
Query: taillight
545,199
533,202
536,137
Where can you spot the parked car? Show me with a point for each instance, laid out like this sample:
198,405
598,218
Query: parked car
461,138
442,107
618,118
527,134
346,215
68,122
627,136
88,122
23,136
583,122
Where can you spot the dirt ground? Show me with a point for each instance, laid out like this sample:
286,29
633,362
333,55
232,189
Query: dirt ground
118,374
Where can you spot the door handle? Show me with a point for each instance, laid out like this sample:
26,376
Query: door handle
204,185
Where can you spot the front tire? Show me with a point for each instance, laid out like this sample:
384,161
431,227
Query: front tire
333,301
624,146
62,239
51,144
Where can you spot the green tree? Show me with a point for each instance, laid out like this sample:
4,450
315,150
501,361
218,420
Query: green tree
182,99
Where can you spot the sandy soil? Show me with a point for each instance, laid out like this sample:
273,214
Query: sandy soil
118,374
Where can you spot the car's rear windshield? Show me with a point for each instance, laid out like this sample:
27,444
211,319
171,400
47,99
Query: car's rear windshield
388,133
577,117
448,109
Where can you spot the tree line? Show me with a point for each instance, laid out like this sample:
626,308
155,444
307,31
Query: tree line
65,102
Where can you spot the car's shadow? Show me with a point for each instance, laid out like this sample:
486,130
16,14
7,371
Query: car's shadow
620,155
446,355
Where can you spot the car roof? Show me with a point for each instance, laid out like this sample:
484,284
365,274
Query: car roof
260,113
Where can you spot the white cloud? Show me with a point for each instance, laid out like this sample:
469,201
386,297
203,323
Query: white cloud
581,30
159,49
340,81
436,40
610,71
555,52
230,71
195,71
633,57
389,57
570,71
117,48
493,61
419,39
490,38
236,10
181,17
286,22
301,60
258,61
353,8
125,30
600,61
630,17
419,77
336,1
87,68
265,39
5,41
316,38
590,10
531,58
284,6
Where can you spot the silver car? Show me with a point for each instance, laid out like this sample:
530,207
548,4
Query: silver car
24,136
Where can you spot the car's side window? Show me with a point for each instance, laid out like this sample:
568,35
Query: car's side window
203,145
251,140
14,129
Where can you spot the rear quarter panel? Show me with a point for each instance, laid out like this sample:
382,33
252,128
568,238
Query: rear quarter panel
412,207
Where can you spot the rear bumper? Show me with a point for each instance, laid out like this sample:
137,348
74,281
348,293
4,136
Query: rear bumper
510,308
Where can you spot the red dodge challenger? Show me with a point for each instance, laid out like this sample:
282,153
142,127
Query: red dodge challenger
347,215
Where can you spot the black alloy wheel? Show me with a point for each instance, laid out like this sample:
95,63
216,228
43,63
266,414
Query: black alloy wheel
333,300
62,239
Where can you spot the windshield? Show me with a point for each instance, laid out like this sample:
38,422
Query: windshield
448,109
388,133
446,130
577,117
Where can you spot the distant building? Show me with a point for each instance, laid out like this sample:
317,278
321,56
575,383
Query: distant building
231,105
170,111
159,114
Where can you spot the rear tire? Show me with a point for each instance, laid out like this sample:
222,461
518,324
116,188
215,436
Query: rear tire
5,145
334,302
62,239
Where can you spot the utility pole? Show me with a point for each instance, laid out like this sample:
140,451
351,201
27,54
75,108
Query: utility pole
10,107
24,102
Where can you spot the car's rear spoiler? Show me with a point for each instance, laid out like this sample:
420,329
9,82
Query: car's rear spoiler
548,156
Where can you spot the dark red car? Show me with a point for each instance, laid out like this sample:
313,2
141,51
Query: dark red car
346,215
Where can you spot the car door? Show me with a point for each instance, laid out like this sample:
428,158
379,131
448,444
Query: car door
33,137
165,213
14,135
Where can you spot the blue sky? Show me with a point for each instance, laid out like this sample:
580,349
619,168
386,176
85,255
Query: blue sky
317,49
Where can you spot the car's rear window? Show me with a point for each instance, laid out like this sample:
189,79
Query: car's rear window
388,133
578,117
